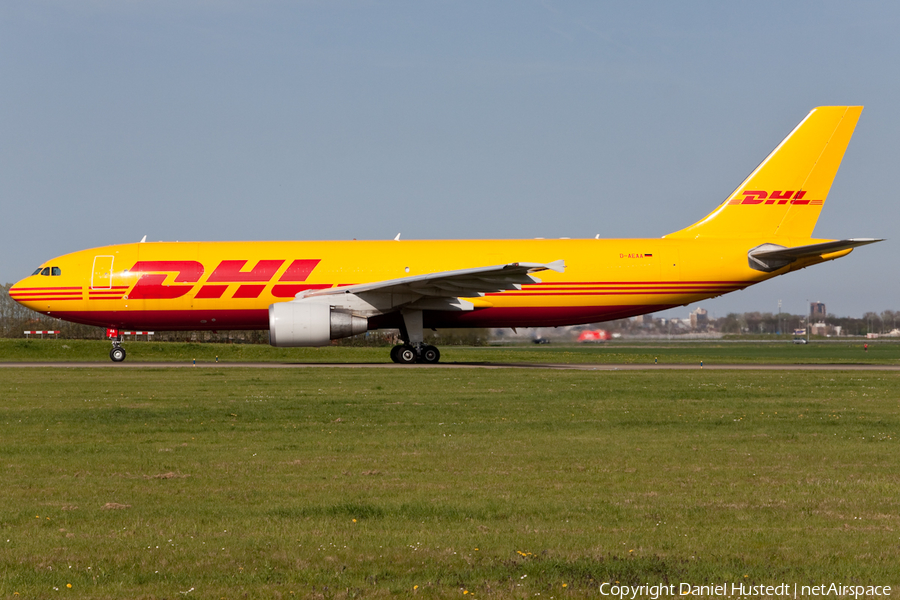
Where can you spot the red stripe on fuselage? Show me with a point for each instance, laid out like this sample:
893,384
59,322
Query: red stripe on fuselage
53,298
636,290
631,293
529,316
42,289
46,295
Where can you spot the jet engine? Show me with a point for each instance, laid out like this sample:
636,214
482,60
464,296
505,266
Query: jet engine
300,323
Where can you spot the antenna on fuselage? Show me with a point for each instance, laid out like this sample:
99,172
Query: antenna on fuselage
143,239
397,239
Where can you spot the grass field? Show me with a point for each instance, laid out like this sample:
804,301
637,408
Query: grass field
169,483
625,352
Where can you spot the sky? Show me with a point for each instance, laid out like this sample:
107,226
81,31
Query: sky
226,120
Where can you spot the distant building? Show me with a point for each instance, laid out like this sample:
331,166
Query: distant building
699,319
817,310
819,329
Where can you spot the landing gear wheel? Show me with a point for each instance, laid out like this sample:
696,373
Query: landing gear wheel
430,355
406,355
117,354
395,351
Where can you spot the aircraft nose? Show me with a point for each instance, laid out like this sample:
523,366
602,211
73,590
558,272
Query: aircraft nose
19,290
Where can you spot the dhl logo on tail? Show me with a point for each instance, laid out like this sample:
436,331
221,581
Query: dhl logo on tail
774,197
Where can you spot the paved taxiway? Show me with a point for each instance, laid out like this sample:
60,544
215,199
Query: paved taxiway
472,365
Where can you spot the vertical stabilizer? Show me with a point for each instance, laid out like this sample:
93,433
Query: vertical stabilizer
784,195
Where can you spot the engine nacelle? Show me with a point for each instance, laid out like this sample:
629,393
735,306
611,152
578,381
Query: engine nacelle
293,324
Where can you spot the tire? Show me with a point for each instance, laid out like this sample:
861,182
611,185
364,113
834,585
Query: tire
395,351
117,354
430,355
406,355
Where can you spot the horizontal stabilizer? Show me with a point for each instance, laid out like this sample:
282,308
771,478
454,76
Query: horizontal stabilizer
771,257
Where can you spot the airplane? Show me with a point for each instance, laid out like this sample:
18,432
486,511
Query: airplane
310,293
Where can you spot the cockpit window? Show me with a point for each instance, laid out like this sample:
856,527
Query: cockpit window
54,271
45,271
37,271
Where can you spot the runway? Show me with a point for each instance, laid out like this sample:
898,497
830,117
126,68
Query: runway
459,365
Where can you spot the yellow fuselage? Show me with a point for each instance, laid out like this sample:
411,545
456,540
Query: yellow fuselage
230,285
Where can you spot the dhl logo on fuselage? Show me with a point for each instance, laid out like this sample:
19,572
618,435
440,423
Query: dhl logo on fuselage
775,197
151,285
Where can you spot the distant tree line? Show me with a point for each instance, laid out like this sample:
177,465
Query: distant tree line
15,319
759,323
756,322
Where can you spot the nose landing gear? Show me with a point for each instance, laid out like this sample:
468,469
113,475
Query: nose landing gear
117,354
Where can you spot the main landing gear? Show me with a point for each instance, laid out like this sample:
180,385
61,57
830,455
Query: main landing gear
413,349
407,354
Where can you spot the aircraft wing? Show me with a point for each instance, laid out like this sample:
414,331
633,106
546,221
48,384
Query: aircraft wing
770,257
450,284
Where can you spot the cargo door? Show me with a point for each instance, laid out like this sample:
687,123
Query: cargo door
101,276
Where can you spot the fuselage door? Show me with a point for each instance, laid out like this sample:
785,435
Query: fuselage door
101,277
